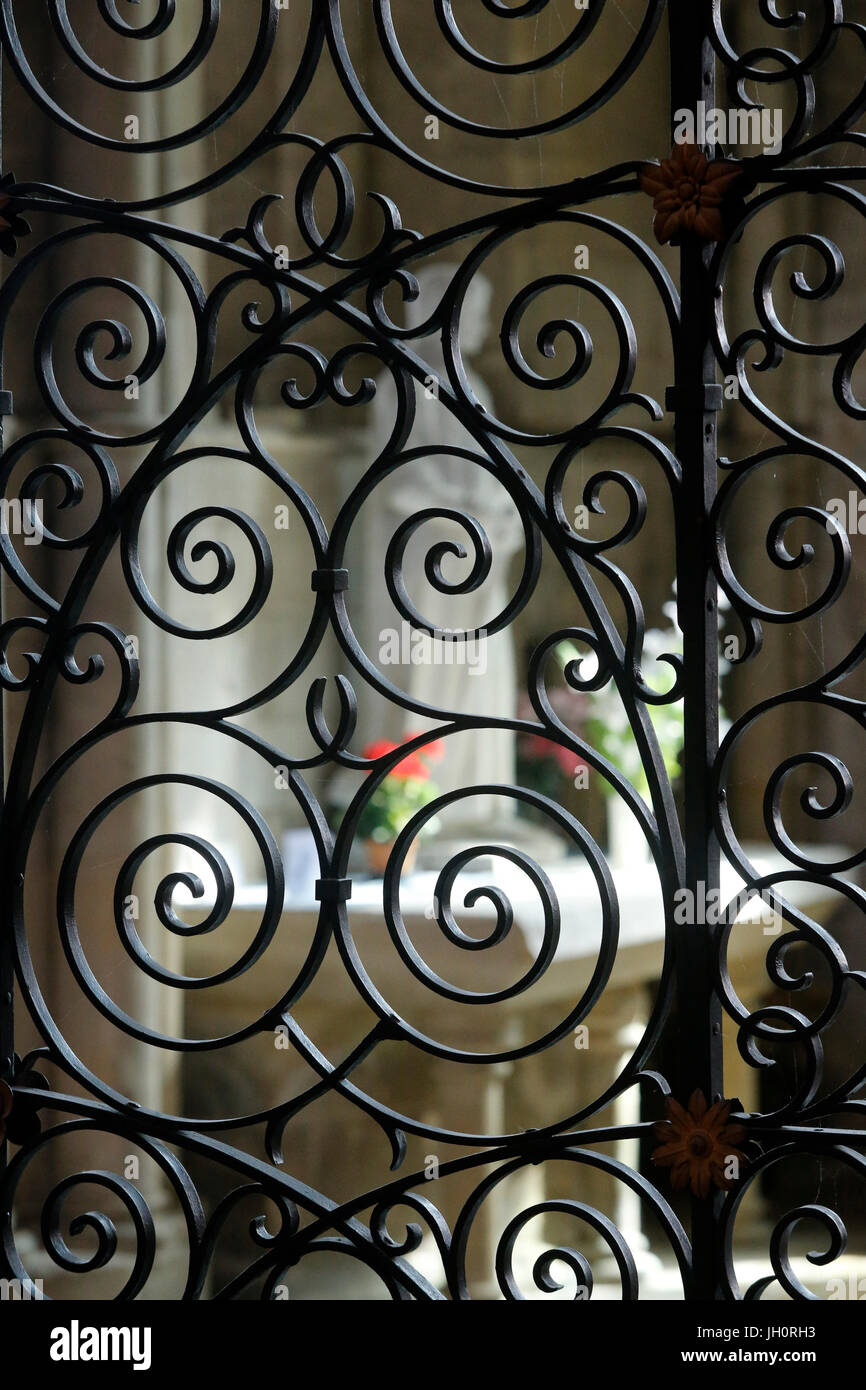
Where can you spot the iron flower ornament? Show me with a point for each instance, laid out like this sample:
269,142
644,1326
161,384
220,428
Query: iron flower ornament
6,1099
19,1115
689,194
697,1144
12,224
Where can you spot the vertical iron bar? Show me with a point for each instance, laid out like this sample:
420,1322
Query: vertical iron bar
699,1012
7,967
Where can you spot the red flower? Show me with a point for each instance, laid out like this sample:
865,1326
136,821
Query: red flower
412,765
434,751
380,749
687,192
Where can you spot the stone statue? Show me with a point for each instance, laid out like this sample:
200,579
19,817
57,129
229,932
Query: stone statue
475,678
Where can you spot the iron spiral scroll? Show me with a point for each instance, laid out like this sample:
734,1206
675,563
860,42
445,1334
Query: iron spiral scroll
384,1227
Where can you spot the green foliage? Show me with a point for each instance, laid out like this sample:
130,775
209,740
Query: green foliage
606,725
392,806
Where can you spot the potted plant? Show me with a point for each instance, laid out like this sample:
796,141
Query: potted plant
406,790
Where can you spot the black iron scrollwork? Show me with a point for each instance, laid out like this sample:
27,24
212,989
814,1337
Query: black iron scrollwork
73,459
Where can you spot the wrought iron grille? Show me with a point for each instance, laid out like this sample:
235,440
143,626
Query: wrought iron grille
51,1095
